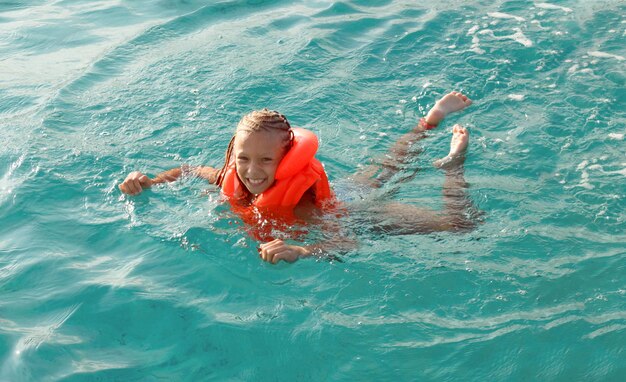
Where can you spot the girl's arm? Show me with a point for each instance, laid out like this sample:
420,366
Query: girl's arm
336,240
277,250
136,182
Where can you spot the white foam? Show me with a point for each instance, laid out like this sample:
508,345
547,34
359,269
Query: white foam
8,183
517,97
518,36
620,172
538,24
616,136
476,45
472,30
521,38
500,15
553,6
597,53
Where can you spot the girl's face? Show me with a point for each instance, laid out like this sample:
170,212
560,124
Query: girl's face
257,155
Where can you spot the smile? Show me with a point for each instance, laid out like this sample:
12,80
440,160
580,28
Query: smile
255,182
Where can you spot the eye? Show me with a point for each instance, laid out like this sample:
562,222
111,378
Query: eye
242,159
268,160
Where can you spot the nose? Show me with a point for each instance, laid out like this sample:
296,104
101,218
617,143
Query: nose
254,168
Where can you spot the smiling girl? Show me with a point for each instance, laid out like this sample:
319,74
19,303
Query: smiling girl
271,168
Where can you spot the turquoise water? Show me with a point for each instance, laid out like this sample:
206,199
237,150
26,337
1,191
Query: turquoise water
167,285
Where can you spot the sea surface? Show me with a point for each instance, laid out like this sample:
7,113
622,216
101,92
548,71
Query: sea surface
168,285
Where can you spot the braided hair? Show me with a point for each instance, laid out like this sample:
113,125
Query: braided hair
259,120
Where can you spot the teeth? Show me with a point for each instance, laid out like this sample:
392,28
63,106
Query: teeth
255,181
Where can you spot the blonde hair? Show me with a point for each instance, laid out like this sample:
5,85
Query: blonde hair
258,120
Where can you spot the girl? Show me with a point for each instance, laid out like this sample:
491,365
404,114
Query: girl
270,169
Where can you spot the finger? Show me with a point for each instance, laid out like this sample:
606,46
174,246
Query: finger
285,256
271,253
130,187
131,176
263,245
272,244
136,186
139,186
263,254
129,191
145,181
267,256
278,257
266,243
127,188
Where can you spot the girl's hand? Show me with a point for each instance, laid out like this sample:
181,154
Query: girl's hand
134,183
277,250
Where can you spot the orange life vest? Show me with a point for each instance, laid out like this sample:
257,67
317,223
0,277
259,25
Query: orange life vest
297,172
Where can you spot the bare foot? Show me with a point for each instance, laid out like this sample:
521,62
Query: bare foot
458,147
451,102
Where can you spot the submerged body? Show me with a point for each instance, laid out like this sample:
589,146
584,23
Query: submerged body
266,169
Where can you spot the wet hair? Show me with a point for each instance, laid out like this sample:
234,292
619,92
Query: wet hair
258,120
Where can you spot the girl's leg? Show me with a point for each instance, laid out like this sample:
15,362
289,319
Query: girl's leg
458,207
459,213
400,153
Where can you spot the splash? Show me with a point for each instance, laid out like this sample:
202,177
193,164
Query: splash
599,54
500,15
518,36
553,6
